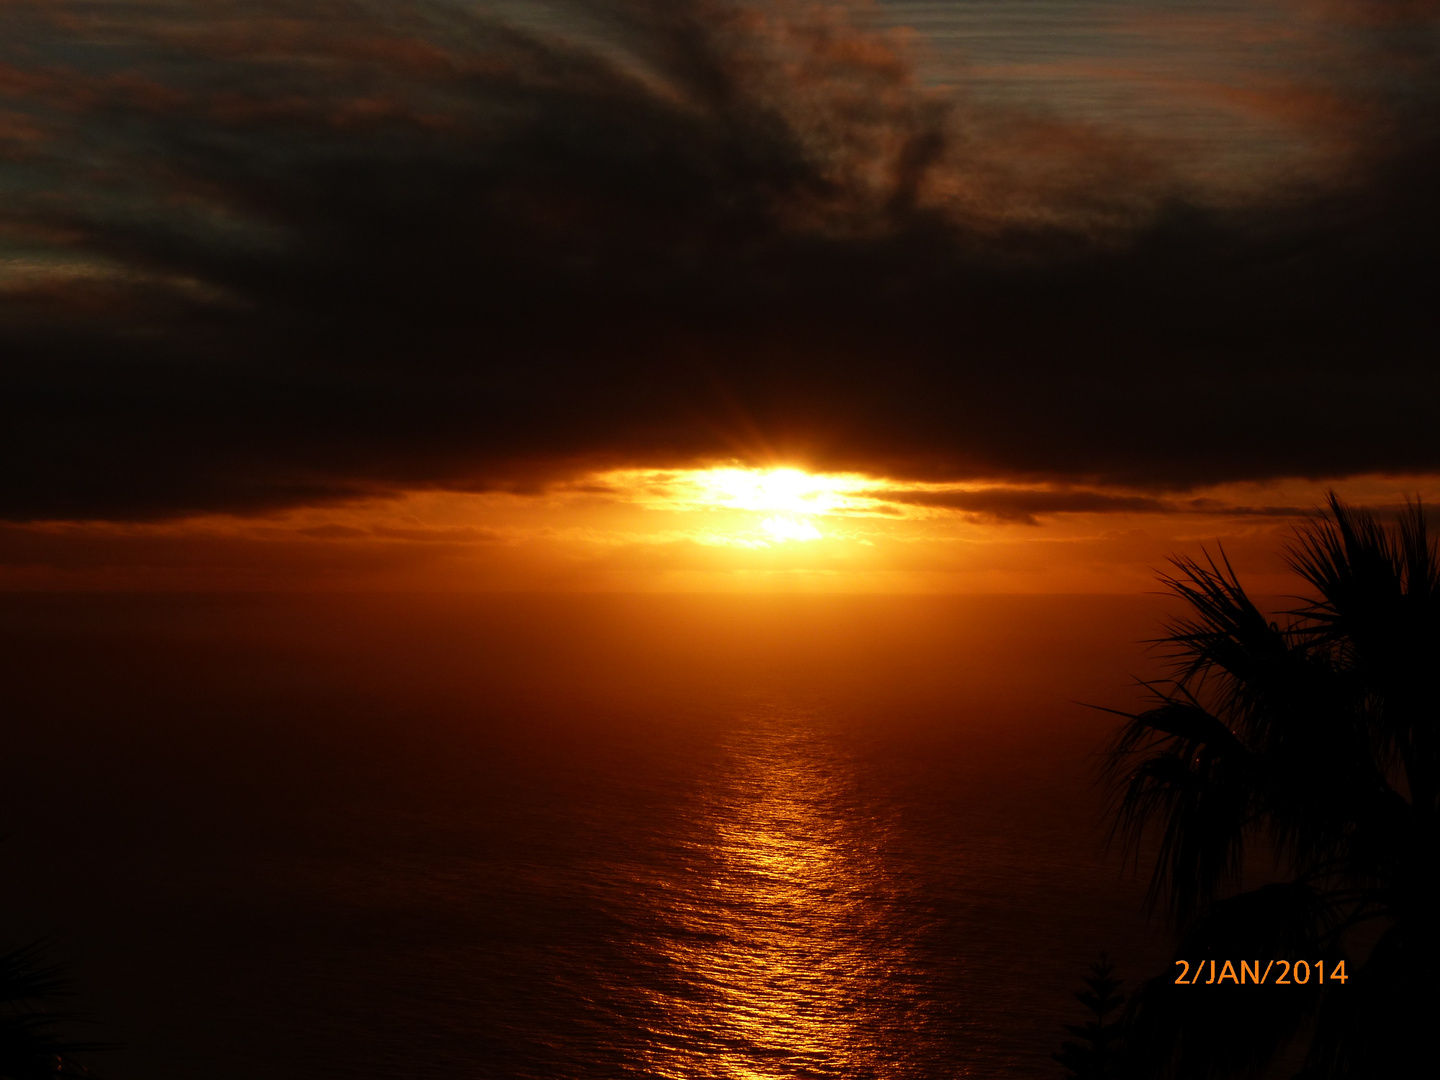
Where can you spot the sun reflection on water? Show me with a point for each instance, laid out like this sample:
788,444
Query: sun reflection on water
782,964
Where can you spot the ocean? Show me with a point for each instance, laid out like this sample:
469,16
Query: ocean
759,837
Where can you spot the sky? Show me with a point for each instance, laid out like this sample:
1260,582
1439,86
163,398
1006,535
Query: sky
670,294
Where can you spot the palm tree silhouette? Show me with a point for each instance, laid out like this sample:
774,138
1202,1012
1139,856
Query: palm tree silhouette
1284,781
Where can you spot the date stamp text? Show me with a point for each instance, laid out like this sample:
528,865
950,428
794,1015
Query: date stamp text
1250,973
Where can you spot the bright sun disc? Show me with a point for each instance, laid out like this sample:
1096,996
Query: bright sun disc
748,507
784,529
785,490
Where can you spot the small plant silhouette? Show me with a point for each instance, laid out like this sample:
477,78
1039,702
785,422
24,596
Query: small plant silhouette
1093,1057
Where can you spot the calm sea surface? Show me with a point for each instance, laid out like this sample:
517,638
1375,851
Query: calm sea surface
444,837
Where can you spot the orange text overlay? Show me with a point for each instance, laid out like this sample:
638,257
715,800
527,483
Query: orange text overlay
1248,972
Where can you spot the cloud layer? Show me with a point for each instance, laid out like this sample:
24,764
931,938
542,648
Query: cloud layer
268,254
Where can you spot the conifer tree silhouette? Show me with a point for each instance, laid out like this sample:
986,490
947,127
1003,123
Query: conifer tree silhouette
1093,1057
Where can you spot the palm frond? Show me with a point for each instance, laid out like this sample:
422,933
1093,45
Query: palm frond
1178,766
1377,619
26,976
32,1040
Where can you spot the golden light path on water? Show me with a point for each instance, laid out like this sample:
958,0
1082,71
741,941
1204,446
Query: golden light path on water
785,957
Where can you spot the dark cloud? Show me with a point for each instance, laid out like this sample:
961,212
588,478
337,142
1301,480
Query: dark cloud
1026,505
270,253
1215,506
1021,505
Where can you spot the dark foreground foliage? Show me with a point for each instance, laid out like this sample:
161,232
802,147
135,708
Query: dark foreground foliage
1309,744
1093,1057
32,1043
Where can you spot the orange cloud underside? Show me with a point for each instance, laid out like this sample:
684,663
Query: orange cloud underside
726,528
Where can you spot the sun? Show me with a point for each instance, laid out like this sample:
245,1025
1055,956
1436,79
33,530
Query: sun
787,490
785,529
758,506
791,498
784,490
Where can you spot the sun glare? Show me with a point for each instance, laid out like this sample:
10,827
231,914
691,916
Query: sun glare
782,529
789,491
788,498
